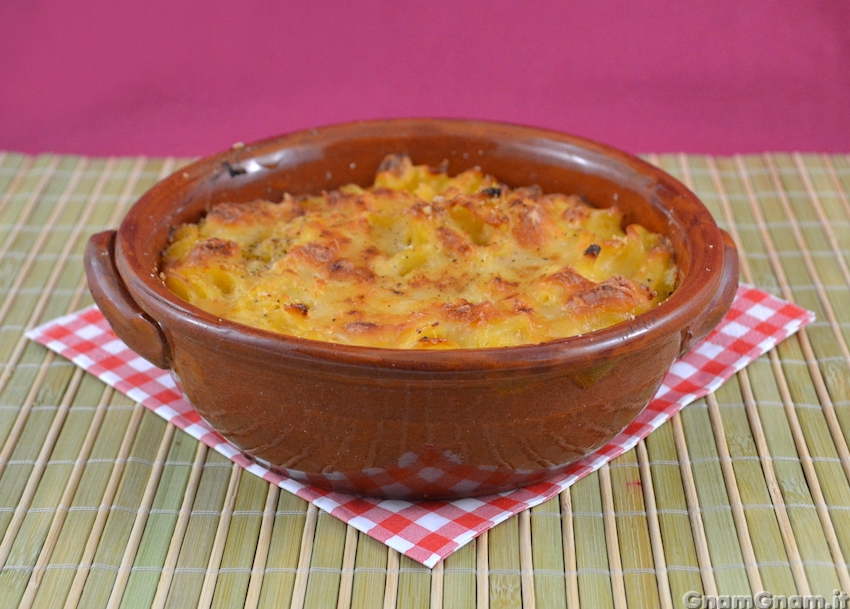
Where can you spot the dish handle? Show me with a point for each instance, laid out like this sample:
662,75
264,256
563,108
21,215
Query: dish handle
132,325
722,300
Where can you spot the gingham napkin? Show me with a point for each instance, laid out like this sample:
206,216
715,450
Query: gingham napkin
429,531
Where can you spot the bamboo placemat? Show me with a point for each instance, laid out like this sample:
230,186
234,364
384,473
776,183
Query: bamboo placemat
104,504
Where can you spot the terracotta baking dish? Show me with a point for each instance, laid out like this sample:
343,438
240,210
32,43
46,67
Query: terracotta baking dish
413,424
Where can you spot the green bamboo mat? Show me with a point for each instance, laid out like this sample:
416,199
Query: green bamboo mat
102,504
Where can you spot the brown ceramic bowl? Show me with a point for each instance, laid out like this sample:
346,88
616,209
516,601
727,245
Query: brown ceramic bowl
413,424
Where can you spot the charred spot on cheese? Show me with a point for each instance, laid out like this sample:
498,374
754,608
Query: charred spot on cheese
343,269
298,307
421,260
315,253
214,249
593,250
530,223
569,278
467,312
361,327
614,294
452,240
501,288
521,306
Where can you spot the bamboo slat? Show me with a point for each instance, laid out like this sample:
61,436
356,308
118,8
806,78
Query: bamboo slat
505,586
349,556
102,504
568,538
639,572
262,551
370,573
459,578
290,524
665,599
547,555
592,562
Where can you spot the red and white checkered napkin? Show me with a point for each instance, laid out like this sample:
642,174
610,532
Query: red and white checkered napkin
430,531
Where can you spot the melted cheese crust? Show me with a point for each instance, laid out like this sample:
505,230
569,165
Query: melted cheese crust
421,260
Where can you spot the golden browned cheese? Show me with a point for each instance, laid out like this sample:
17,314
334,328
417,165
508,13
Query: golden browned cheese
421,260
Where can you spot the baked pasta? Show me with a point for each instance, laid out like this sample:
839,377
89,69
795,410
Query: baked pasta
421,260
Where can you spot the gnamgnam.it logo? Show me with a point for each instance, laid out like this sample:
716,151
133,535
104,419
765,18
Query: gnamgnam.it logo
765,600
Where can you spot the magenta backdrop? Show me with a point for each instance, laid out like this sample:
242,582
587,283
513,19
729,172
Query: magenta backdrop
191,77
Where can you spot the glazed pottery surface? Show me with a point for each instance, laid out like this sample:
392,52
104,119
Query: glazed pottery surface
413,424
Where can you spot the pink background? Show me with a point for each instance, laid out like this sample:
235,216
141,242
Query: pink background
191,77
